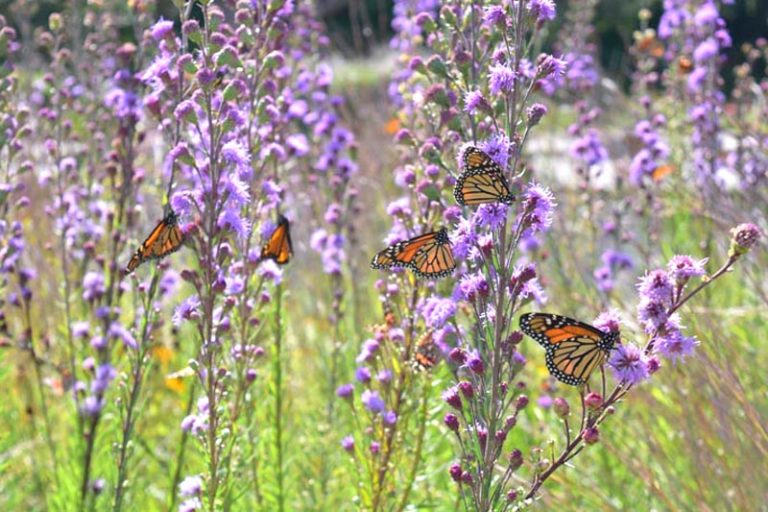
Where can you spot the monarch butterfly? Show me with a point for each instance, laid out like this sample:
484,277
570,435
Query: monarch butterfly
481,181
279,247
429,255
166,238
427,353
574,349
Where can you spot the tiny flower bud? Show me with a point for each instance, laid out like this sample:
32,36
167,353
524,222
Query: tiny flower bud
561,407
591,435
521,402
452,422
455,472
593,401
466,389
743,238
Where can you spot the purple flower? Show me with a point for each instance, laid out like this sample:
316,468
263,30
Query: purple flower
384,376
743,238
497,147
473,286
707,50
363,374
539,204
545,401
490,215
437,311
370,347
617,259
543,10
608,321
683,267
628,364
116,330
706,15
190,486
390,418
189,308
191,505
652,313
270,271
675,346
161,29
535,113
452,398
348,443
105,374
345,391
372,401
656,285
495,15
93,286
474,101
502,79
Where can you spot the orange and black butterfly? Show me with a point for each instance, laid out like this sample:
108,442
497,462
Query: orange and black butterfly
574,349
428,256
279,247
481,181
165,239
427,352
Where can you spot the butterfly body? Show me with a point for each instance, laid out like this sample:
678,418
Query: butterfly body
481,181
165,239
573,349
279,246
428,256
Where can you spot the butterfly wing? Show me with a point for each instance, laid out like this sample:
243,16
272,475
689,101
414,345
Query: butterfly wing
164,239
427,354
279,246
481,181
428,255
574,349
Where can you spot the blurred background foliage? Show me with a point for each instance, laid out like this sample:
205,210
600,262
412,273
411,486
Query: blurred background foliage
358,28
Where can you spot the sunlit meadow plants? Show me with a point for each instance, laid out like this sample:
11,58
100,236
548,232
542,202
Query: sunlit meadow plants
215,379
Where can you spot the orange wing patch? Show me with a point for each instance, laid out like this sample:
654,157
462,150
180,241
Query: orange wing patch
165,239
428,256
279,246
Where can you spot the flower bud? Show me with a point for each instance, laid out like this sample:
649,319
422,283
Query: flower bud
743,238
452,422
521,402
591,435
593,401
561,407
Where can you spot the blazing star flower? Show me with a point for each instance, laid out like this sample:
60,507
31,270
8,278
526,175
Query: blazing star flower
474,101
490,215
628,363
363,374
190,486
188,309
93,286
543,10
652,313
437,311
105,374
656,285
539,202
161,29
502,80
608,321
675,346
372,401
683,267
